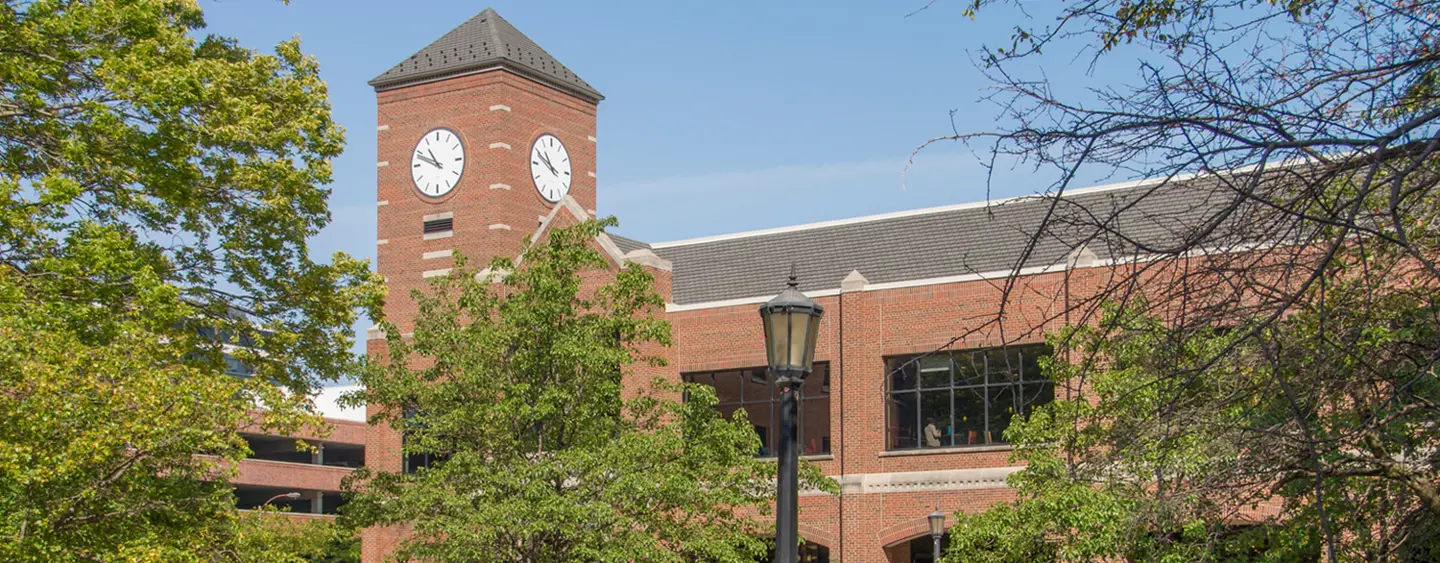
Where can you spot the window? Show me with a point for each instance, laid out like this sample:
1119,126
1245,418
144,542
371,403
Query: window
962,398
753,391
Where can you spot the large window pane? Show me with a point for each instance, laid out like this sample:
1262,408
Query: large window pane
727,386
818,384
902,375
935,372
761,419
1002,408
969,369
970,416
935,431
815,426
903,428
757,385
1036,394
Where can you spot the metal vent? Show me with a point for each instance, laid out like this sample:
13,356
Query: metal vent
439,225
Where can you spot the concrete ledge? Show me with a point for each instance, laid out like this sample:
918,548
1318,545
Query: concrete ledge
434,273
950,450
499,107
436,254
438,216
382,164
499,186
441,234
505,146
382,203
590,138
938,480
382,241
499,227
591,174
382,128
646,257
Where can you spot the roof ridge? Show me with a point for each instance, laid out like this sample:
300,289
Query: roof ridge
914,212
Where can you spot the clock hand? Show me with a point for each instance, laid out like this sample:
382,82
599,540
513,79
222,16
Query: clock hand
427,160
546,160
434,160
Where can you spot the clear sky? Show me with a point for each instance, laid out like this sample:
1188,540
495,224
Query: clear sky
719,116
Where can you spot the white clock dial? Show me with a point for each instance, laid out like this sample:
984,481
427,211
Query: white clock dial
550,167
438,162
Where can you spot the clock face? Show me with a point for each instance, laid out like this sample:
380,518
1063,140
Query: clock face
550,167
438,162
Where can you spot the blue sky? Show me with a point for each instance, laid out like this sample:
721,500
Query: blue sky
719,116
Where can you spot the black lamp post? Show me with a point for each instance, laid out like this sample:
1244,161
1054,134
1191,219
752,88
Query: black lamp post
937,529
791,323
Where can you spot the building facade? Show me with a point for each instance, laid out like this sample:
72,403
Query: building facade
485,139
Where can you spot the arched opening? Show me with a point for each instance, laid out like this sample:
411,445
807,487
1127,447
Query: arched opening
919,549
809,553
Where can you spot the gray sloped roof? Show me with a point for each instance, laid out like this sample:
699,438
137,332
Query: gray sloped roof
485,41
626,244
945,241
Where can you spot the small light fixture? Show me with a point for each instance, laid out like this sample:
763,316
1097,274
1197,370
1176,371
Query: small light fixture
792,324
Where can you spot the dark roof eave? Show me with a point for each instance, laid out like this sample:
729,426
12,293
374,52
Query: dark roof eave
381,84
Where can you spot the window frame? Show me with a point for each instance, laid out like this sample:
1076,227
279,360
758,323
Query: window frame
1013,378
746,377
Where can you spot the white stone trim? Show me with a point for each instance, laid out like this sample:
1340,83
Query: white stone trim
505,146
644,257
499,107
382,128
591,138
438,235
438,216
434,273
373,333
437,254
591,174
592,212
919,481
382,241
382,164
382,203
499,186
499,227
855,281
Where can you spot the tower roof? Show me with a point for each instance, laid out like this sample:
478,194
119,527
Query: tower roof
484,42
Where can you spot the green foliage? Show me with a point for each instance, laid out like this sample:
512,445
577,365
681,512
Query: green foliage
516,383
1173,444
153,181
269,537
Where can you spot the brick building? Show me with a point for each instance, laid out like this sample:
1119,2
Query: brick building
485,139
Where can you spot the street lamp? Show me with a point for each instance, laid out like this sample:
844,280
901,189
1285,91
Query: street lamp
791,323
291,496
937,529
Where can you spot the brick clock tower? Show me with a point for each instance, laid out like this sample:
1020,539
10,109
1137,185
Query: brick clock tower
481,135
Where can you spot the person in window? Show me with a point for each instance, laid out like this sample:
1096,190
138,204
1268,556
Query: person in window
932,434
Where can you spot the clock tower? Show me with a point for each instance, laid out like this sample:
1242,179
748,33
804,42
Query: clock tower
480,136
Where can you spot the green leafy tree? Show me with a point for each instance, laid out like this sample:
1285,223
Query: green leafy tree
514,382
269,537
157,186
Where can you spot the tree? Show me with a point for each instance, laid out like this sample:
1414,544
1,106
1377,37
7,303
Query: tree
1264,328
157,186
514,383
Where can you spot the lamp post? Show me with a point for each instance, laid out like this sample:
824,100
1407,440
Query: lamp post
791,323
937,529
291,496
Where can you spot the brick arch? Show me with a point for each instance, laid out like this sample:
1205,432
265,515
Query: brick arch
816,535
905,531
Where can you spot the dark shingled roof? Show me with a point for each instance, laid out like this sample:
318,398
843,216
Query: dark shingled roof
939,242
485,42
627,245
